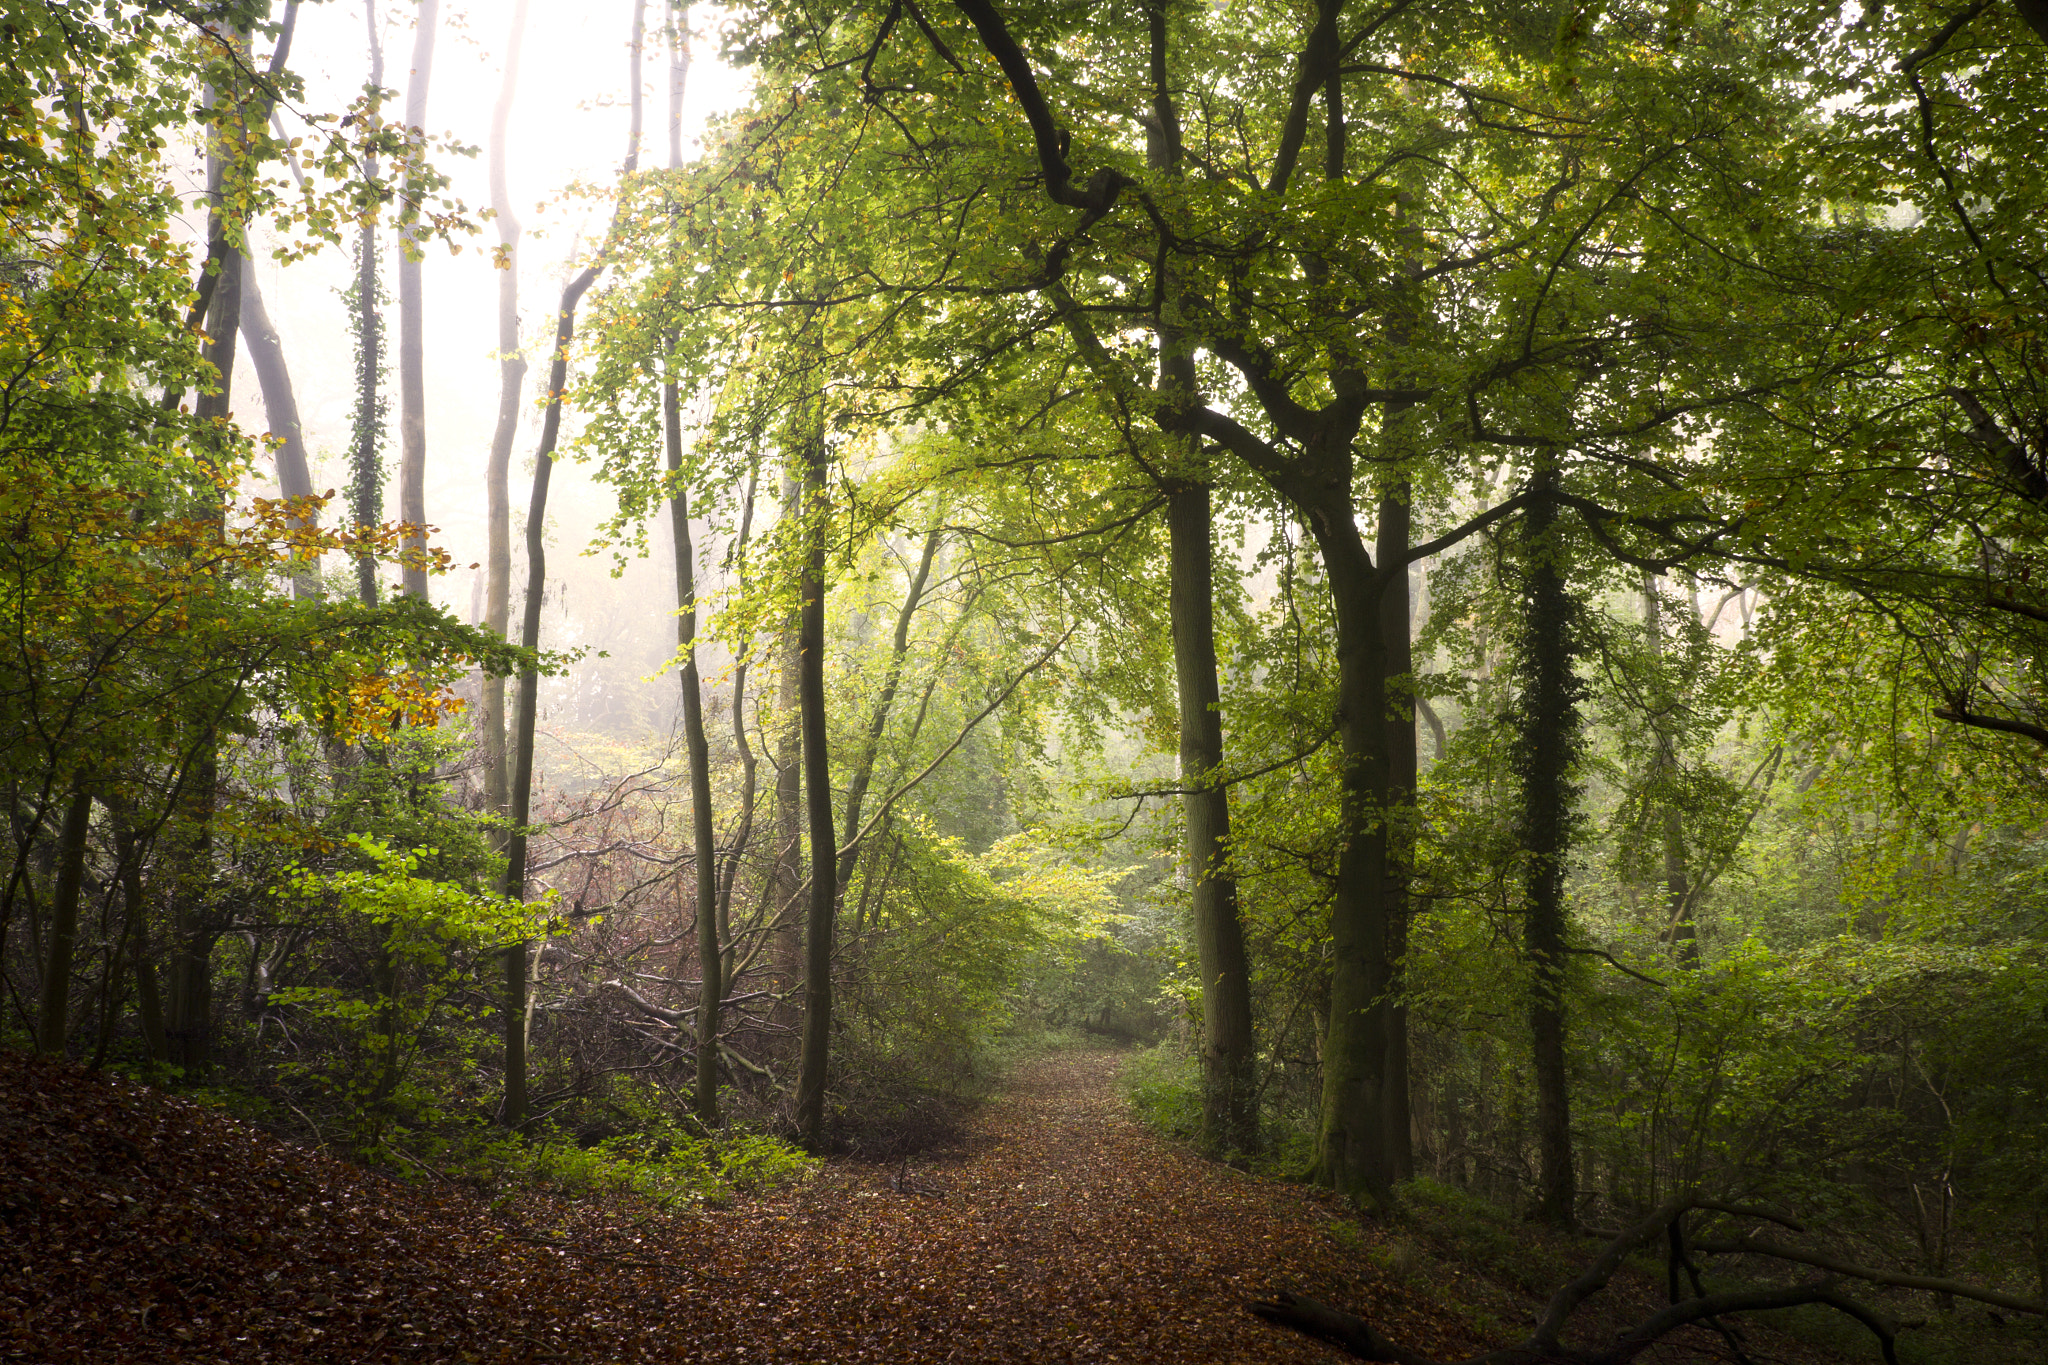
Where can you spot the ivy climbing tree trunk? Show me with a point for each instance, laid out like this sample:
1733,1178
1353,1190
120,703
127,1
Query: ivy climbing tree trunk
366,474
412,382
511,379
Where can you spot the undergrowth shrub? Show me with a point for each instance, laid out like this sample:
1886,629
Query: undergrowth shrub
1164,1086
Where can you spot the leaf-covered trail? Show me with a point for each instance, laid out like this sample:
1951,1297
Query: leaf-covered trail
143,1227
1063,1232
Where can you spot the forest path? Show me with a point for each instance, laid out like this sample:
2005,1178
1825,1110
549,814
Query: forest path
1059,1231
139,1226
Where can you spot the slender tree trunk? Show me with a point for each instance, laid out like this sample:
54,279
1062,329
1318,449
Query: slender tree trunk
818,920
56,986
281,411
786,933
528,700
703,837
1678,923
743,835
412,383
878,722
511,377
1546,746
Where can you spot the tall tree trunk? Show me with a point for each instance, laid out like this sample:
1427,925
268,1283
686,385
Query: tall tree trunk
703,838
823,900
1351,1147
1230,1111
1546,747
281,411
1230,1103
528,698
786,931
366,476
1678,924
748,764
1396,628
56,985
521,794
511,377
194,929
412,383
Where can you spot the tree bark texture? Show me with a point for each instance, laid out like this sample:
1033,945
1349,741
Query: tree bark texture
412,381
511,379
1547,741
823,898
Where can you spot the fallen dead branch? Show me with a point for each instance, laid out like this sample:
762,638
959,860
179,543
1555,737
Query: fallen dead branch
1544,1344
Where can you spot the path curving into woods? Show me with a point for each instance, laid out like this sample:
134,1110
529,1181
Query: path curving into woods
143,1227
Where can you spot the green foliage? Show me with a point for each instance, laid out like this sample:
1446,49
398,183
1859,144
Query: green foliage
1164,1085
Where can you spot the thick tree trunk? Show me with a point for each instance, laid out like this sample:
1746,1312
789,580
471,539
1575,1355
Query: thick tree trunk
511,378
1396,631
1351,1153
1547,746
1230,1108
52,1018
823,898
412,382
281,411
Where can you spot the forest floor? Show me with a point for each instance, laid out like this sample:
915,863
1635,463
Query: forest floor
143,1227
